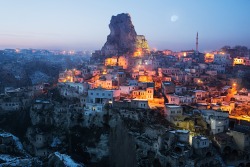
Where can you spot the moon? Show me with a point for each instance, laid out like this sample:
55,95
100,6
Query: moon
174,18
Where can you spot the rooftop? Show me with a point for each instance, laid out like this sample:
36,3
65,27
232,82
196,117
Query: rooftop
172,105
200,137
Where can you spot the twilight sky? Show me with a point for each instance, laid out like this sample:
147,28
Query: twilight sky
83,24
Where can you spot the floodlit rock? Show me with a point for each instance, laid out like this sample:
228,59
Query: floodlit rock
123,37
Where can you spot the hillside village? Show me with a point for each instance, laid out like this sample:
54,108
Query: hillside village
135,107
172,115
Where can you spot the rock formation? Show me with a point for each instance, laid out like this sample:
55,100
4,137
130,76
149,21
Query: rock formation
123,37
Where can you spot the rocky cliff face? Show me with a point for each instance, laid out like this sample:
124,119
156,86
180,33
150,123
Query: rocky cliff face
122,146
48,114
123,37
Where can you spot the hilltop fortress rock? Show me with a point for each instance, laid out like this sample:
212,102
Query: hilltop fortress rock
123,38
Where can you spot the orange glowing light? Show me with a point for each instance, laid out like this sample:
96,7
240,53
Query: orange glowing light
138,53
144,78
209,57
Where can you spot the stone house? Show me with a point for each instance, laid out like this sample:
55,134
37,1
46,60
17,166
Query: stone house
200,95
139,103
171,110
98,98
219,124
241,136
217,120
148,93
126,90
179,100
201,146
167,87
180,90
11,105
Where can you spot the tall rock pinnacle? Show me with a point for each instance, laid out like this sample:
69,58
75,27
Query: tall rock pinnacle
123,37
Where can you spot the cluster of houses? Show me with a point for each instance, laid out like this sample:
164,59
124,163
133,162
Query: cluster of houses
150,81
167,83
18,99
192,91
180,147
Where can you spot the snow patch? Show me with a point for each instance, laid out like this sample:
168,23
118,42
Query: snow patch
14,161
17,141
68,162
56,141
7,158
